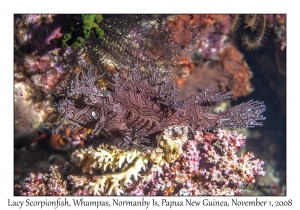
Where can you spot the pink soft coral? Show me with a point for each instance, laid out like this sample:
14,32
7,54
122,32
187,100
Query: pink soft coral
209,165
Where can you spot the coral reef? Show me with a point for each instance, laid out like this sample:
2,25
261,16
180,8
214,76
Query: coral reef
187,29
121,164
119,167
206,165
214,169
211,32
229,72
51,183
37,59
37,69
118,101
208,58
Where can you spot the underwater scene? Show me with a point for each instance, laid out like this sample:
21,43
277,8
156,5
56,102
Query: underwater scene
149,104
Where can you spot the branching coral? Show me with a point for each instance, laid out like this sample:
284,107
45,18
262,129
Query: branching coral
208,166
224,169
122,164
205,165
119,167
104,158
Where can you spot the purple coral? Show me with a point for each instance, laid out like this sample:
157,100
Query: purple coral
51,183
211,45
215,41
208,166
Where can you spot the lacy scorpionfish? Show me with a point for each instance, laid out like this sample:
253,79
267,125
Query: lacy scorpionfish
141,105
